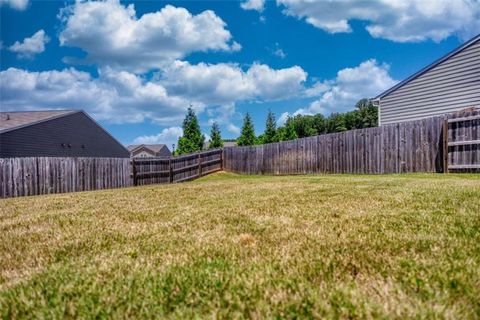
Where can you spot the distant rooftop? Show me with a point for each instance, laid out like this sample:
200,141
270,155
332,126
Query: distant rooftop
154,147
226,143
10,120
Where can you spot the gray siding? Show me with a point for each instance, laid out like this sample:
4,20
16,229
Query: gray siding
80,136
452,85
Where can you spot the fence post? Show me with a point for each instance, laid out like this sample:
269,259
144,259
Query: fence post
134,172
222,157
199,165
445,145
171,170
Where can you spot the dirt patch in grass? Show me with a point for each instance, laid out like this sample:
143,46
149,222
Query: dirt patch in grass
233,246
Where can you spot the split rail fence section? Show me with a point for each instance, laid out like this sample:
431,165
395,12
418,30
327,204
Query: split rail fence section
415,146
176,169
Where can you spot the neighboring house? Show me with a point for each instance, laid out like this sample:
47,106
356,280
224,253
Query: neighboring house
226,143
229,143
56,133
449,84
148,151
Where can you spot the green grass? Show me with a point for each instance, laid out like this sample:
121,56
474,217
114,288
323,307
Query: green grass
230,246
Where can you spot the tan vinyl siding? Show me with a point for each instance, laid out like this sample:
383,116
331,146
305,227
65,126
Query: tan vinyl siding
452,85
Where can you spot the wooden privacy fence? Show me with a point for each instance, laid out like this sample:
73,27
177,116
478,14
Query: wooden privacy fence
176,169
438,144
34,176
415,146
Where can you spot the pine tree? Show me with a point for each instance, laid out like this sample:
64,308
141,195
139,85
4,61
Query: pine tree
247,136
270,129
215,137
192,139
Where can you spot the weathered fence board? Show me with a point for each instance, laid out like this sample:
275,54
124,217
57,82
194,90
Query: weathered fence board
35,176
463,142
415,146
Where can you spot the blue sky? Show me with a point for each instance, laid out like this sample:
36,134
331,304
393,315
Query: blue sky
137,66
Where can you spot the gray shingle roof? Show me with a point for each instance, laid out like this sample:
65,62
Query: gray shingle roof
11,120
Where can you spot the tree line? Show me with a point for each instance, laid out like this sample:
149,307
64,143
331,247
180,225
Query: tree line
365,115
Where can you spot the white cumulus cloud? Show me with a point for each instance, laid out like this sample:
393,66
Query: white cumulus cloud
15,4
125,97
224,83
396,20
350,85
118,97
29,47
257,5
113,35
167,136
233,128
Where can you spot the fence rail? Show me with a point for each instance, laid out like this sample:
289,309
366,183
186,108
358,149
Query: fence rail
462,143
176,169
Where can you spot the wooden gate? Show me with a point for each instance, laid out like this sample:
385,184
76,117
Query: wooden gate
462,143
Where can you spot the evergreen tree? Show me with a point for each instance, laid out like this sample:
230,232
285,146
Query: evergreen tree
260,139
247,136
192,139
270,129
215,137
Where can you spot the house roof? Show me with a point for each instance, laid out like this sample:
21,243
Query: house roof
226,143
229,143
12,120
154,147
430,66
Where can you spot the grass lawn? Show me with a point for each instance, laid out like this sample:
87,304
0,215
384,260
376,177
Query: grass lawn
230,246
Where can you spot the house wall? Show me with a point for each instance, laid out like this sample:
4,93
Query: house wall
142,154
450,86
80,136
